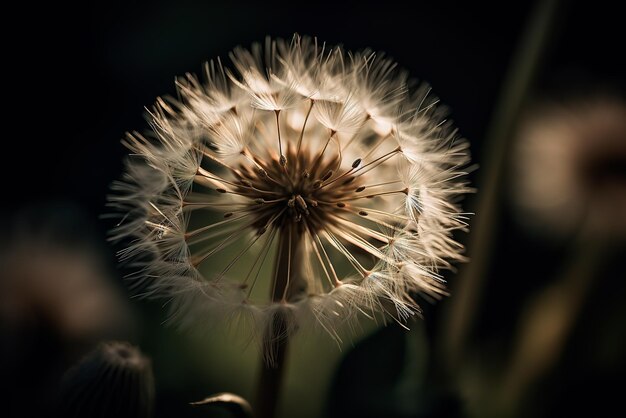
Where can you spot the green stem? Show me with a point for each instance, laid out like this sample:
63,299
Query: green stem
270,380
286,287
472,277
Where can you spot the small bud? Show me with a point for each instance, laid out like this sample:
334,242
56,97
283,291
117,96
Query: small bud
114,380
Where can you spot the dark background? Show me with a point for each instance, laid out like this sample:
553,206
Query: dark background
78,77
89,71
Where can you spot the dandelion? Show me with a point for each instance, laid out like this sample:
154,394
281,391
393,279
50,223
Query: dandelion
311,184
569,168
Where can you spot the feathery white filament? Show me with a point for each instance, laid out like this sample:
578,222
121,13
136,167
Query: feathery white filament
311,157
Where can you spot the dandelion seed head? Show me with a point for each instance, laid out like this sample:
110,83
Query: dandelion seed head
310,182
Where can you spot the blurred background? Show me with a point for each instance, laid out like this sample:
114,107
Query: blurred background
535,323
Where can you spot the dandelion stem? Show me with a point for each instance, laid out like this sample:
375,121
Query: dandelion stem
288,279
270,381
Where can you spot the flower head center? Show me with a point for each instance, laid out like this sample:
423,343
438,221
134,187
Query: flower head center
300,186
309,180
